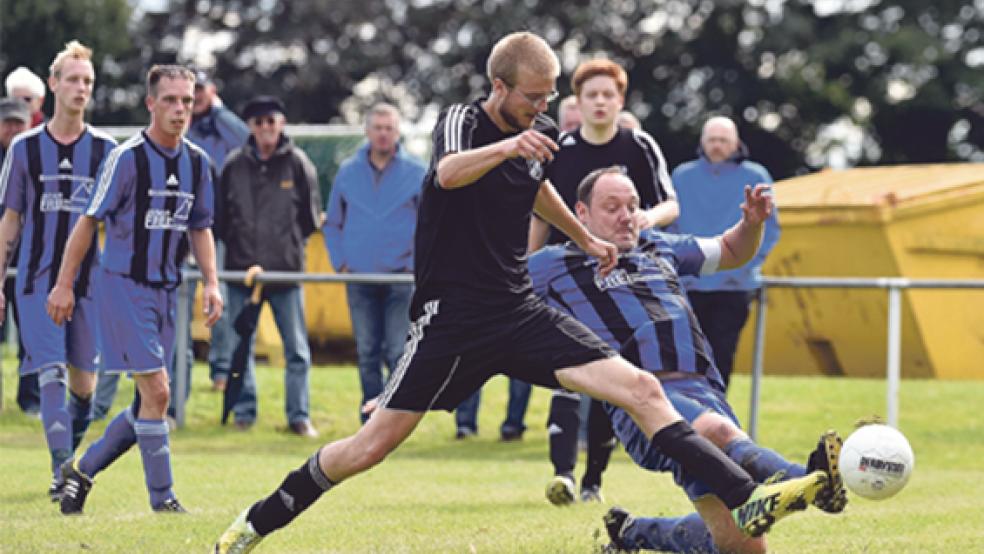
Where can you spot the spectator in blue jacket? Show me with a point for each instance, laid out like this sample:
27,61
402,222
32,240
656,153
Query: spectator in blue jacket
371,218
710,190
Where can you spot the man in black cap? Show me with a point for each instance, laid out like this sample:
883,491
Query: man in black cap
15,118
268,204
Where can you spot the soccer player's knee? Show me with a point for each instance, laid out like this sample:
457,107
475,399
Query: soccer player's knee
646,390
716,428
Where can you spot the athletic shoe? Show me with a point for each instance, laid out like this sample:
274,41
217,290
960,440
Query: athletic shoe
170,506
75,490
55,490
616,521
592,494
239,538
833,498
770,503
561,491
465,433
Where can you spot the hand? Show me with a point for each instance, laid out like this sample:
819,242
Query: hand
532,145
211,304
370,406
61,304
757,206
606,252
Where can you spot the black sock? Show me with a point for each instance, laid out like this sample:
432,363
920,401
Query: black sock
299,490
601,443
700,458
562,430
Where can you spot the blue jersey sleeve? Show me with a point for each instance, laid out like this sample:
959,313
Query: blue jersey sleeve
114,183
544,265
14,177
688,255
203,210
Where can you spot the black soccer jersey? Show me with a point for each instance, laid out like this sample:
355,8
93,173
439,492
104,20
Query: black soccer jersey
471,242
635,150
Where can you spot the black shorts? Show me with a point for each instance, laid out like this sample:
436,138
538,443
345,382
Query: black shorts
454,348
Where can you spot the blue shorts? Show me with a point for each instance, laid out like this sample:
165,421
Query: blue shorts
137,324
690,397
45,344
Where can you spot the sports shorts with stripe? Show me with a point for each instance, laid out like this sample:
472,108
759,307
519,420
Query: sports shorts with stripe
454,347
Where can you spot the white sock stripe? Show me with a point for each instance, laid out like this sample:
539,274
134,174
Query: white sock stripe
150,428
52,374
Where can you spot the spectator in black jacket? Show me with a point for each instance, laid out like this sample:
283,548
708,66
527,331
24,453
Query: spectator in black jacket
270,205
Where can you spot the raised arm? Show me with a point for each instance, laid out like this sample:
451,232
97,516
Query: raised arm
61,300
740,243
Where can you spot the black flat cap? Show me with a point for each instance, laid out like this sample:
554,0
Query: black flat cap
15,108
263,105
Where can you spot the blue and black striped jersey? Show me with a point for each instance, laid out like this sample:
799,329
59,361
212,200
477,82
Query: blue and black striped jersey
149,196
639,309
50,184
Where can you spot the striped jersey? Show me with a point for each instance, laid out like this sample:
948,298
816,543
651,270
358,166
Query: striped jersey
635,150
50,184
639,309
149,196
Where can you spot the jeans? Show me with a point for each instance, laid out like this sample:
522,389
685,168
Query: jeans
287,303
223,338
466,414
380,320
105,393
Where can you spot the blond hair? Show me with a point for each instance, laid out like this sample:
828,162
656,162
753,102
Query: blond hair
521,49
74,50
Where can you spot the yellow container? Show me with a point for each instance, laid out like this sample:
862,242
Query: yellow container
325,310
919,221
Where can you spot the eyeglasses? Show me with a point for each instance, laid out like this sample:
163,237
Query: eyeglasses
537,99
264,120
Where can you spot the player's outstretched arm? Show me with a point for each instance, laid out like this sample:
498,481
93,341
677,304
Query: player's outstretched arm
61,300
459,169
739,243
11,226
203,247
552,209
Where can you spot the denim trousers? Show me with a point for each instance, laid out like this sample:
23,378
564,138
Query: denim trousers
466,415
380,320
287,304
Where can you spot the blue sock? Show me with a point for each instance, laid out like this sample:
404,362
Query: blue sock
686,534
80,409
156,455
116,439
54,415
760,462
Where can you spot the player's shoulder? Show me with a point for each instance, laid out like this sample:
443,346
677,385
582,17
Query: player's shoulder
756,168
193,148
124,151
554,259
640,138
460,111
102,136
17,144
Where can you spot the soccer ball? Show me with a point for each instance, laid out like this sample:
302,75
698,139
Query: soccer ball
876,461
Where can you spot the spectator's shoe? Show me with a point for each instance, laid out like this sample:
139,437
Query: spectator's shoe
465,433
55,490
75,490
239,538
304,429
591,494
170,506
617,520
560,490
511,434
833,498
770,503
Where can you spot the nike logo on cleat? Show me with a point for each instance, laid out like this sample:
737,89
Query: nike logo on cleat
756,508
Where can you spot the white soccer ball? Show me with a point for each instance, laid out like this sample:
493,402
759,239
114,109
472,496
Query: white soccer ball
876,461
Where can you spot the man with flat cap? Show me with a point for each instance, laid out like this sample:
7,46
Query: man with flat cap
269,206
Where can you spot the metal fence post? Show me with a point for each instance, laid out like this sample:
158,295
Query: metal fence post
182,373
894,351
758,357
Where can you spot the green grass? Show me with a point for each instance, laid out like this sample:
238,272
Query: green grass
436,494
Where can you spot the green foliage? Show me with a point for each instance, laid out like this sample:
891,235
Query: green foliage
436,494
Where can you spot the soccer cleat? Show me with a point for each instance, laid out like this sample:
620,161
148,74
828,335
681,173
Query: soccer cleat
592,494
55,490
239,538
770,503
560,490
170,506
75,489
617,520
833,498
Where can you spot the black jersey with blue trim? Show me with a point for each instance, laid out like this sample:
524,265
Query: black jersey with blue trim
149,197
639,309
471,241
635,150
49,184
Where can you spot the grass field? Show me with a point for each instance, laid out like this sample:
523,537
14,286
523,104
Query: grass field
481,496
